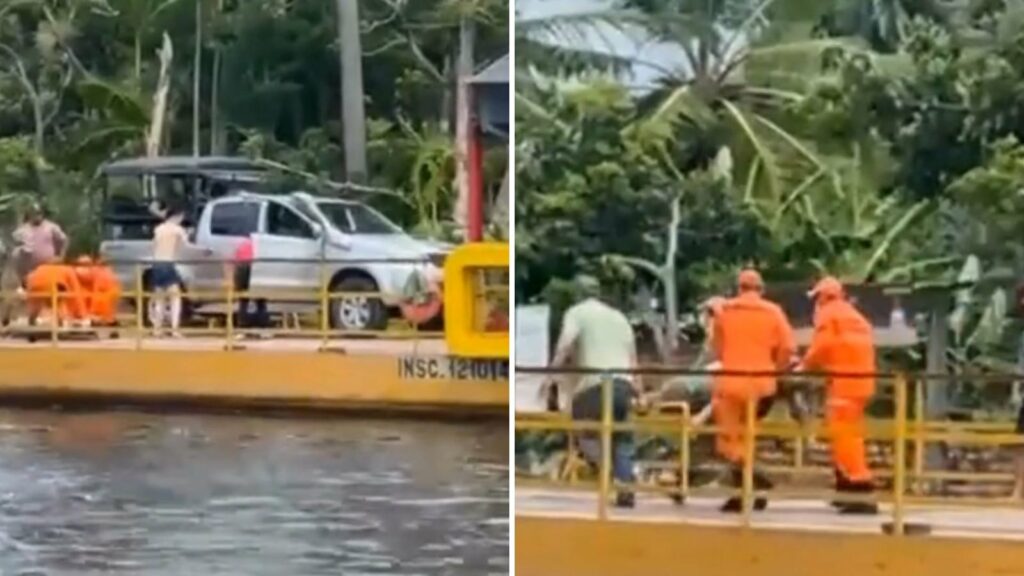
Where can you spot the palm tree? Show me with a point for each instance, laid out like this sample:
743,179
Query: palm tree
745,64
139,17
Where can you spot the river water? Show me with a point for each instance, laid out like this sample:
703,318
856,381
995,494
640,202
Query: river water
137,493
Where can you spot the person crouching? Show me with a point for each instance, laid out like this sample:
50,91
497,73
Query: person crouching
55,281
102,290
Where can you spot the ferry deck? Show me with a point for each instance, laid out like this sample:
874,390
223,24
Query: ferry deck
462,371
568,527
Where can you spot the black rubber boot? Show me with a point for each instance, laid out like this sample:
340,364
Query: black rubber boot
735,504
761,483
625,500
677,497
842,485
732,505
859,508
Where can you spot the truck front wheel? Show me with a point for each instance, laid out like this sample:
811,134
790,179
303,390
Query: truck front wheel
354,311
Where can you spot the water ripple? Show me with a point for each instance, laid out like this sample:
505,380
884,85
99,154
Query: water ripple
130,493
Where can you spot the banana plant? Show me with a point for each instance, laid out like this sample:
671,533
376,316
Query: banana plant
665,273
973,330
978,323
839,216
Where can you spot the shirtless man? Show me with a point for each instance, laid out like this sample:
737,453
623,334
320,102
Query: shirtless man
168,240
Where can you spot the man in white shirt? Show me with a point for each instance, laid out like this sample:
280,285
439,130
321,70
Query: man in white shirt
600,337
38,241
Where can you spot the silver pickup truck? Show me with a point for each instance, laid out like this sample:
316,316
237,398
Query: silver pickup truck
301,238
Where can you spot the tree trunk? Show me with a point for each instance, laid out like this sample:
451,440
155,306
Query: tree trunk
447,109
218,140
38,113
669,280
217,143
158,116
500,212
464,71
353,112
138,55
197,73
40,126
936,406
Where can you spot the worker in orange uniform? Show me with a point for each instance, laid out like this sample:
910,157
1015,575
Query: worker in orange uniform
102,290
52,278
843,343
751,334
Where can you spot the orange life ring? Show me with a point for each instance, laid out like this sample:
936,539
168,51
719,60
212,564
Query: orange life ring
497,320
417,314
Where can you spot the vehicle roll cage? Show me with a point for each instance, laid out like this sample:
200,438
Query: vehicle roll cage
201,174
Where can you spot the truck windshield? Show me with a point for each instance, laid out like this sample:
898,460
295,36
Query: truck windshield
357,218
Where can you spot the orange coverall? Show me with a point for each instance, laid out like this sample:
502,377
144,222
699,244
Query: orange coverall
750,334
47,279
843,342
102,291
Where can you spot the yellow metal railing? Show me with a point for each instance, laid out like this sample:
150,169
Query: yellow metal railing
222,323
906,475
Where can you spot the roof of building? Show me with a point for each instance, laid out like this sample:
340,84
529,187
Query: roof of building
494,73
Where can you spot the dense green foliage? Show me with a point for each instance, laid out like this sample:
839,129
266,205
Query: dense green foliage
77,80
880,148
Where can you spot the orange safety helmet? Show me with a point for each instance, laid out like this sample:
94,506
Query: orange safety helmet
84,268
828,288
749,279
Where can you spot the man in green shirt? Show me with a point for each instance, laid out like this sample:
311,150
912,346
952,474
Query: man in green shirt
600,337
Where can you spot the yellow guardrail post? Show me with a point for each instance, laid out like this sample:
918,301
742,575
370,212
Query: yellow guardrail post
54,316
919,443
606,448
684,452
899,456
415,337
805,433
325,306
748,459
229,317
140,303
798,451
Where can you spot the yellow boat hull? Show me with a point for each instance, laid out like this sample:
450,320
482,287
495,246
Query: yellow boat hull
547,546
276,374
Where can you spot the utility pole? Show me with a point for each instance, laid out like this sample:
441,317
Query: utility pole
353,113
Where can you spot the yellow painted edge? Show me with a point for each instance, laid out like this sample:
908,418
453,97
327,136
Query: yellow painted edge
582,547
458,301
285,378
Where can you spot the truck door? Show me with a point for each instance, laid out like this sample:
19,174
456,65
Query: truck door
287,251
229,223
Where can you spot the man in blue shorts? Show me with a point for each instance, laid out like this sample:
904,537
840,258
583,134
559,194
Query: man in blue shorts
168,240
